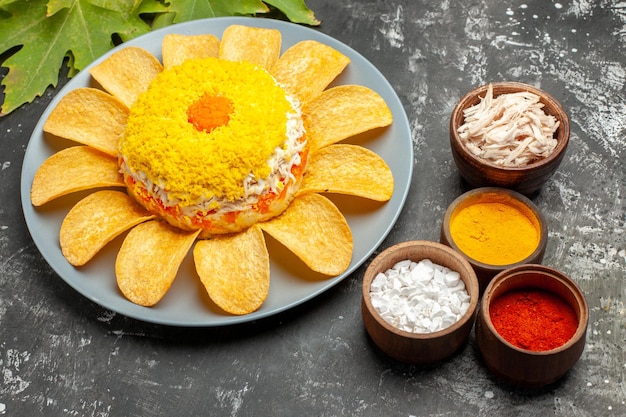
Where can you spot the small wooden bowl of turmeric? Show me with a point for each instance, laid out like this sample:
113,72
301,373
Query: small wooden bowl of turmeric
495,229
508,134
531,326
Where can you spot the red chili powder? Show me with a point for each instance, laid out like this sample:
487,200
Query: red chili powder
533,319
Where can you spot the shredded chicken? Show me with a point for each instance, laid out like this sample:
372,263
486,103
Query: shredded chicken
509,130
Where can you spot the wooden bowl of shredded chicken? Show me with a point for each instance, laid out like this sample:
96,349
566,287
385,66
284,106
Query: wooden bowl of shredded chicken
510,135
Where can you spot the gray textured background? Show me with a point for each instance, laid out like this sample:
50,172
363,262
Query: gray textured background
62,355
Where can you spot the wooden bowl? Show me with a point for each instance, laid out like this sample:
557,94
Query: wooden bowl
419,348
479,172
521,367
486,271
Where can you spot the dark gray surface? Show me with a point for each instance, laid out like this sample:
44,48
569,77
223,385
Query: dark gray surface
62,355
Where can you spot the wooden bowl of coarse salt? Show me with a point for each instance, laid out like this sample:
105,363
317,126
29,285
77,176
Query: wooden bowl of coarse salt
508,134
419,301
532,325
495,229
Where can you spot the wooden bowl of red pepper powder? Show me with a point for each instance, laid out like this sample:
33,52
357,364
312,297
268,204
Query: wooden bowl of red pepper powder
531,325
495,229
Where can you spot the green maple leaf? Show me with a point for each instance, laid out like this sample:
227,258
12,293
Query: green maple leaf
39,35
48,32
179,11
295,10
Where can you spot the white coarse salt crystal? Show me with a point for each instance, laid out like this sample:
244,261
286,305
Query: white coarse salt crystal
379,303
436,324
439,275
419,297
402,264
452,278
422,273
463,308
448,321
432,291
458,287
378,282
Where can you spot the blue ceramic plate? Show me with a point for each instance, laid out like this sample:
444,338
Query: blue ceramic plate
292,283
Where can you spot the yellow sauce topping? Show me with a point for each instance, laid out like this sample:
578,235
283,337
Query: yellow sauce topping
173,139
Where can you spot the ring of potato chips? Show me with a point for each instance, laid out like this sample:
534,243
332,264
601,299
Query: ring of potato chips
233,268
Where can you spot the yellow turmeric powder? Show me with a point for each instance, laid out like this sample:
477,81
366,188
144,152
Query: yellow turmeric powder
494,232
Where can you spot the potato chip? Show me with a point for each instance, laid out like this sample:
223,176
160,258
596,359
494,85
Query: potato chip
74,169
256,45
96,220
178,48
316,232
235,270
307,68
127,73
91,117
348,169
149,259
344,111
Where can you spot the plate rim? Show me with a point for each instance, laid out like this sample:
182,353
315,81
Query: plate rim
400,118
